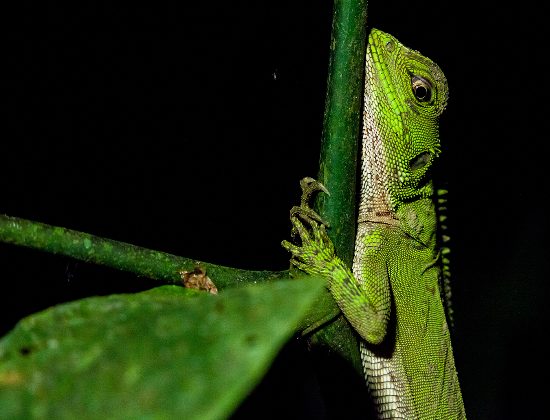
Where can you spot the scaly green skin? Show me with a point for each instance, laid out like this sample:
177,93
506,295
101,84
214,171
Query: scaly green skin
393,297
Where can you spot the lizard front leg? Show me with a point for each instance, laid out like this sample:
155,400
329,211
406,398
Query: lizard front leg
366,308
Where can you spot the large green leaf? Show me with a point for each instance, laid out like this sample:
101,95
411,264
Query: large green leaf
151,355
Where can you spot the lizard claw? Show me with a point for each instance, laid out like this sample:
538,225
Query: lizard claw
309,186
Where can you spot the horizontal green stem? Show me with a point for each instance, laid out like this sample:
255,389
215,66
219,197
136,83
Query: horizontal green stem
120,255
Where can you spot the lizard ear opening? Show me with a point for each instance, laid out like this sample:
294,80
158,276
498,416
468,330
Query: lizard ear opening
420,161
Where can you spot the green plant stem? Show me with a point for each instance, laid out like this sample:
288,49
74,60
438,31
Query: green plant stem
120,255
334,348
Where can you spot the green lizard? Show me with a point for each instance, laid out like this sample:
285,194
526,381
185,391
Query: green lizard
393,298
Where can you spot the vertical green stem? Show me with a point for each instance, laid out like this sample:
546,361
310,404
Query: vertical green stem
335,348
342,123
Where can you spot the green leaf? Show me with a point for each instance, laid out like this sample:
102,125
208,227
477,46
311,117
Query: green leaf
155,354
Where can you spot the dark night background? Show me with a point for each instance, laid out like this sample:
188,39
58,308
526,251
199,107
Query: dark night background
166,128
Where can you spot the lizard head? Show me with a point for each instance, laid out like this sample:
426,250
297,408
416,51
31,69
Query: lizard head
405,93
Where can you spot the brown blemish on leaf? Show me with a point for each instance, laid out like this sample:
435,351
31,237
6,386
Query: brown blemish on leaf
11,378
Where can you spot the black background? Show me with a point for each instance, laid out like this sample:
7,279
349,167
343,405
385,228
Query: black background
166,127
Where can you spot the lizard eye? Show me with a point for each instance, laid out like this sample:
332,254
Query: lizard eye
419,161
422,89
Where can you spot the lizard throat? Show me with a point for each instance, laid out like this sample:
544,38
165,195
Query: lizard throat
375,199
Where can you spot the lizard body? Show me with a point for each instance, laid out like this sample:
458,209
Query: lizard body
393,296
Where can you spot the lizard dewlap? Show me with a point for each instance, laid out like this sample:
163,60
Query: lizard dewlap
392,295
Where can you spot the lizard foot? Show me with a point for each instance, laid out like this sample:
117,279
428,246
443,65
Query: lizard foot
317,249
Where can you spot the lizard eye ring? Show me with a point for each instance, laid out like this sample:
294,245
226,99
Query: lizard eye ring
422,89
